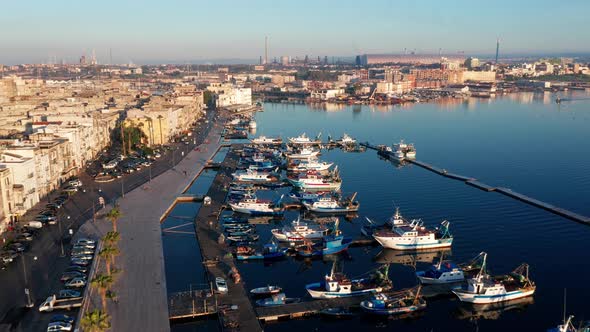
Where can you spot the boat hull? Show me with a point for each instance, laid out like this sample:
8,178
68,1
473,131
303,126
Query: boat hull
433,281
317,291
485,299
391,243
392,311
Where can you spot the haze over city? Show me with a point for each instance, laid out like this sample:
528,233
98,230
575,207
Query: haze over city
205,31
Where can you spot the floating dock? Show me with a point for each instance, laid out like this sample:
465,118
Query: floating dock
307,308
480,185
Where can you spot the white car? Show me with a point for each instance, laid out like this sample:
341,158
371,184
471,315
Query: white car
75,183
221,285
76,283
59,326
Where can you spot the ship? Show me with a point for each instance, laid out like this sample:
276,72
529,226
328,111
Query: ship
254,206
414,236
332,205
303,139
299,231
402,302
337,285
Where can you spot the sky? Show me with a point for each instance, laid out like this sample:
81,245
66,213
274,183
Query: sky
183,31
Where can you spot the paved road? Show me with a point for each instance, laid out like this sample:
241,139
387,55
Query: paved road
42,265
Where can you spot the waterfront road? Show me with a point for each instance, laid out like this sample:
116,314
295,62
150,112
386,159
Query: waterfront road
41,266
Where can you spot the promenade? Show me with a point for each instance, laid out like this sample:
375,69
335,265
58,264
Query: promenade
141,285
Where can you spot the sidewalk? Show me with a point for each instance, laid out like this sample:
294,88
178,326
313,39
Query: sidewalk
141,285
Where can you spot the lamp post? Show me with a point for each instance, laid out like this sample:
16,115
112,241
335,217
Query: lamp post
29,301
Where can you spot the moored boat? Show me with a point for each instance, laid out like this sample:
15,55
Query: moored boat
262,140
254,206
337,285
266,290
275,300
484,288
310,165
303,139
316,181
299,231
399,303
414,236
337,313
254,176
332,205
346,140
270,251
304,154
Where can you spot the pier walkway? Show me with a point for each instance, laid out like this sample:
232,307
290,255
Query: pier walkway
485,187
307,308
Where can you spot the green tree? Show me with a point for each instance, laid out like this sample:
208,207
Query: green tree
113,216
108,253
111,238
95,321
102,282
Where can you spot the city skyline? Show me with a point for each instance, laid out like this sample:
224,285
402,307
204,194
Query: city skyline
181,32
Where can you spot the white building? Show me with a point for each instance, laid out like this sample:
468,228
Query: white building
24,180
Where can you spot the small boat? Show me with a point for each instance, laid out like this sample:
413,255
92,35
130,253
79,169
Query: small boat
303,139
400,303
305,154
254,206
275,300
328,204
255,176
484,288
244,238
263,140
568,325
299,231
270,251
338,313
337,285
331,245
395,220
225,221
441,273
266,290
244,232
306,196
315,181
237,227
408,150
414,236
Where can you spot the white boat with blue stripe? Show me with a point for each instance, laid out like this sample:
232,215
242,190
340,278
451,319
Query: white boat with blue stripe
483,288
414,236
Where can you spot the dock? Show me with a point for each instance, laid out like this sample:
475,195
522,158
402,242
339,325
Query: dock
473,182
307,308
214,254
191,304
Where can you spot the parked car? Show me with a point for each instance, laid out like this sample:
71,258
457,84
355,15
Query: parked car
221,285
86,241
81,262
35,224
53,206
75,183
45,218
82,251
68,294
71,189
85,257
76,268
47,213
18,247
59,326
76,283
25,236
61,318
8,256
67,276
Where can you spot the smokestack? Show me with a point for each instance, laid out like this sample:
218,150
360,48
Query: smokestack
497,49
265,50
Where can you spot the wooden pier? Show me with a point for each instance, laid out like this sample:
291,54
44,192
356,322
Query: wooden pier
307,308
191,304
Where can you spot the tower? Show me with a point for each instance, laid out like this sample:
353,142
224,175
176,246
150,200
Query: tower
497,49
265,50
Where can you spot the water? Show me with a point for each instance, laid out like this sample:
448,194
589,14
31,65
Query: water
522,141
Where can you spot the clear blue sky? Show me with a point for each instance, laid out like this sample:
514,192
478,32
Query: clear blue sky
182,31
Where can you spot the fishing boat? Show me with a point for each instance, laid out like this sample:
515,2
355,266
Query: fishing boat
254,176
299,231
332,205
395,304
568,325
231,220
483,288
310,165
254,206
305,154
250,238
331,245
347,140
237,227
337,313
441,273
276,299
315,181
395,220
266,290
303,139
270,251
267,140
408,150
337,285
306,196
414,236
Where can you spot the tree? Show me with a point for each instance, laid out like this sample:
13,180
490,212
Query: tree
108,253
102,282
95,321
111,237
113,216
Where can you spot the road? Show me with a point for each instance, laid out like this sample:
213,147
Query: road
40,268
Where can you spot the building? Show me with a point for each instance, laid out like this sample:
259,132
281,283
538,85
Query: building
6,200
471,63
24,181
285,60
376,59
326,94
226,94
479,76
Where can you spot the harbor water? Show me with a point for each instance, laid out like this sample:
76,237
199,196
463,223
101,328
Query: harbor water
523,141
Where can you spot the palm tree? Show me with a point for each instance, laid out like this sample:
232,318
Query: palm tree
113,216
108,253
102,282
160,117
95,321
111,237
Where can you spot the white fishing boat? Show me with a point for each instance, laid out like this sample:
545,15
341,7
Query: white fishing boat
408,150
337,285
303,139
395,220
316,181
483,288
305,153
267,140
253,175
310,165
299,231
446,272
331,204
414,236
254,206
347,140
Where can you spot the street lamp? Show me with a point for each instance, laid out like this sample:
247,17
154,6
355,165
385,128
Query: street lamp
29,303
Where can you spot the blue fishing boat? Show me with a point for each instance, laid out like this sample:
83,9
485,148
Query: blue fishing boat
400,303
331,244
278,299
269,252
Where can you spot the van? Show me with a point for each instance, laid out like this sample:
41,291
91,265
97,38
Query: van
35,224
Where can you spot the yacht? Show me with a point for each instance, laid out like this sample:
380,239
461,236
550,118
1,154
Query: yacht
299,231
267,140
483,288
415,236
302,139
